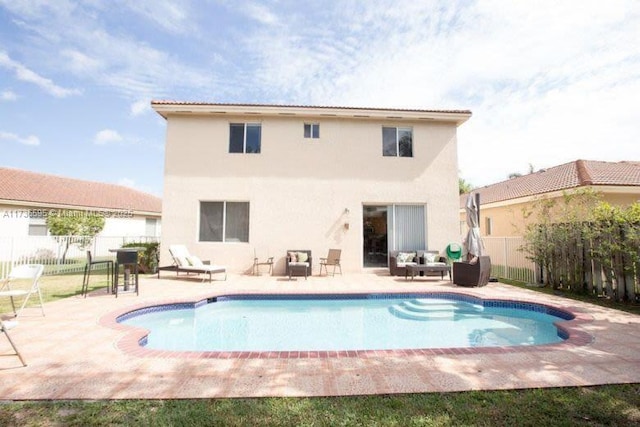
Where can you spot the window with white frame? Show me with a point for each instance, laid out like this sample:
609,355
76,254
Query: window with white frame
150,226
244,137
312,130
37,227
397,142
224,222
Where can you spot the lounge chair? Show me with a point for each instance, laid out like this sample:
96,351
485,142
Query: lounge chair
333,259
18,275
184,262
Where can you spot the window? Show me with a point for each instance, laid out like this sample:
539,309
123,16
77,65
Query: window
37,227
312,130
489,225
224,221
397,142
244,137
150,225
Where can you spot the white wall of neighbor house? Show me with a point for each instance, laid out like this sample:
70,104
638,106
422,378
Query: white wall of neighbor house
22,221
303,191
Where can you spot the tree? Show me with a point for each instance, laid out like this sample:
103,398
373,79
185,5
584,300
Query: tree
67,223
464,186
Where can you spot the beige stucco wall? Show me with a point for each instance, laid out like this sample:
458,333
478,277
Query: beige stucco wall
300,189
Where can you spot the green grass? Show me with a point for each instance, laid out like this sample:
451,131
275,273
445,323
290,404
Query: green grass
586,406
612,405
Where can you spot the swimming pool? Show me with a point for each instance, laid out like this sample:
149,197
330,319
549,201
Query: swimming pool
277,323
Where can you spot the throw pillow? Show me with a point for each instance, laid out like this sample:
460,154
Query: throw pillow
430,257
194,261
406,256
303,257
293,257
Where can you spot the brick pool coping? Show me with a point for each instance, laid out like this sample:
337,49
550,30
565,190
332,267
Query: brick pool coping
130,342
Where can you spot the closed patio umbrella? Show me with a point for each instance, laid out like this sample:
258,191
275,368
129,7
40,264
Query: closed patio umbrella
473,242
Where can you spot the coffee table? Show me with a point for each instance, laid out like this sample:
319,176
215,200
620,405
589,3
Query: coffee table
417,268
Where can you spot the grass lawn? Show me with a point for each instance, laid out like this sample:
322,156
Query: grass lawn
613,405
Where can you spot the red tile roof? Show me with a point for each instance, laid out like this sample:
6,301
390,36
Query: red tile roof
575,174
23,186
222,104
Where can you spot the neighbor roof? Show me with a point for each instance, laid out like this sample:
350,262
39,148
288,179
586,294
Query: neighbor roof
166,107
50,190
579,173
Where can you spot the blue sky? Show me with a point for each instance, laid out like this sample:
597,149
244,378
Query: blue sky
548,82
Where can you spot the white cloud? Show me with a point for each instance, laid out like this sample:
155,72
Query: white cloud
8,95
168,15
28,140
140,107
260,13
25,74
107,136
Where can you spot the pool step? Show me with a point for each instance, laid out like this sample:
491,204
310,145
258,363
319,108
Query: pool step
425,309
403,312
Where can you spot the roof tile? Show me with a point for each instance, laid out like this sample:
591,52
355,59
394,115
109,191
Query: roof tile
20,185
563,177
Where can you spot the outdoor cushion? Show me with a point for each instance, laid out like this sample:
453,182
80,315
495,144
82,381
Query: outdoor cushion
404,257
302,257
194,261
293,257
430,257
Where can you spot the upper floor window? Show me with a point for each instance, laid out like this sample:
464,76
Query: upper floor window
244,137
397,142
312,130
489,225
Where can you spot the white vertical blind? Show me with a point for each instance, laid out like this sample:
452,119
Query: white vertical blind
407,226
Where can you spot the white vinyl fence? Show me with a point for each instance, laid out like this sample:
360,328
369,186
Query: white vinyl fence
50,250
508,261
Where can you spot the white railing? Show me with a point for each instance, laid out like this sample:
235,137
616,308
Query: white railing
50,251
508,261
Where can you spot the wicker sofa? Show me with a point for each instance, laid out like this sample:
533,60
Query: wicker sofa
398,267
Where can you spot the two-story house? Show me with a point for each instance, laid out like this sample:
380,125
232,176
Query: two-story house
241,180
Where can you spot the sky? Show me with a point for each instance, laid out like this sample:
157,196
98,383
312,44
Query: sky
548,82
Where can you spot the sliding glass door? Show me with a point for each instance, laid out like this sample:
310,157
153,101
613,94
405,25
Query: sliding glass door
392,227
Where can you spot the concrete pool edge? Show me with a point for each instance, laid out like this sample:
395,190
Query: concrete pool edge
130,342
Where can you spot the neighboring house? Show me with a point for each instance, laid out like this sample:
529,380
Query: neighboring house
27,197
502,204
245,180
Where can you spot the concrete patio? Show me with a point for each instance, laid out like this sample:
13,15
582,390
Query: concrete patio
78,352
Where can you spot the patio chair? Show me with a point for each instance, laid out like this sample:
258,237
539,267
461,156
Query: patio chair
257,263
184,262
14,286
476,274
332,259
299,261
4,328
87,272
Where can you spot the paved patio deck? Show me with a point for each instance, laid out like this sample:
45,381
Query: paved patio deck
77,352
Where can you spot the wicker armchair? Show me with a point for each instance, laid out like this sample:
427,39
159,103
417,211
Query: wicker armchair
466,274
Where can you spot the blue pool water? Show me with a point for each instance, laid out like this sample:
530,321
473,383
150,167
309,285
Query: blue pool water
374,322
